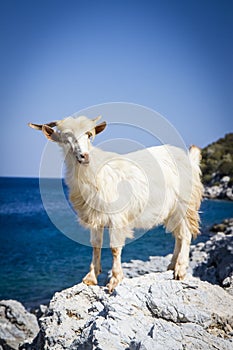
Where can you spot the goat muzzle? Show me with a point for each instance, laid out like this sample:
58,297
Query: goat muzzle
84,159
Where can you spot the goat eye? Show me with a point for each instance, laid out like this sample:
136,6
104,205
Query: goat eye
89,134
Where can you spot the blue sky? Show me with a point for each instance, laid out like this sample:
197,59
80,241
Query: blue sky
58,57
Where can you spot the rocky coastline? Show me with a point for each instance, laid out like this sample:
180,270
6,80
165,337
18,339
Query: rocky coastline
149,310
220,190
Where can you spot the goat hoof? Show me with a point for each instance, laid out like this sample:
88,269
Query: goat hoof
112,284
90,279
114,281
179,272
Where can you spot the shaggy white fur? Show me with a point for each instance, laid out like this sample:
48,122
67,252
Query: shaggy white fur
157,185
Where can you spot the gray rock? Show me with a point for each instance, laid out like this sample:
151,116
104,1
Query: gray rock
138,267
222,191
212,192
225,179
146,312
212,261
17,325
225,226
229,193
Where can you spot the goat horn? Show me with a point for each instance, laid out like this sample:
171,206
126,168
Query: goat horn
39,126
97,118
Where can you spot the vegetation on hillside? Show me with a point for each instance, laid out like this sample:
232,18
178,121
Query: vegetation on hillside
217,160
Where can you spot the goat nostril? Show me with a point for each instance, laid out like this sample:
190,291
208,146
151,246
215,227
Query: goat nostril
85,156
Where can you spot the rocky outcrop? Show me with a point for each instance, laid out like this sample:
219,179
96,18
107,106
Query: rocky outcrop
17,325
212,261
147,312
221,191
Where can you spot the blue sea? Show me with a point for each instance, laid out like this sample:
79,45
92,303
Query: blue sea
36,259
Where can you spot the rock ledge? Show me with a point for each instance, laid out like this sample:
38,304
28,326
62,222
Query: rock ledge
147,312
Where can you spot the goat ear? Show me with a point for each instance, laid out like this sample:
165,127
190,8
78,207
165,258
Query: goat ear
35,126
100,127
50,133
39,126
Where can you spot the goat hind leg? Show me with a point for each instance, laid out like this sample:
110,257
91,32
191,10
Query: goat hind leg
180,259
176,251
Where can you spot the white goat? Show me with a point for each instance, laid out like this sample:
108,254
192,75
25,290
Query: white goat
157,185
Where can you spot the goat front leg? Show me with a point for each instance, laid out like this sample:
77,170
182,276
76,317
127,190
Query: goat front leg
117,273
95,267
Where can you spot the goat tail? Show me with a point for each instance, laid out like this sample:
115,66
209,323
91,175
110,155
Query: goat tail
197,191
195,154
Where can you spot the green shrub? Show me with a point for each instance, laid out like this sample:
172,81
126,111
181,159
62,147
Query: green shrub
218,158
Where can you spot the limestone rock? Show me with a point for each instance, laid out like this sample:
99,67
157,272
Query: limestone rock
17,325
222,191
225,179
212,261
136,268
225,226
147,312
